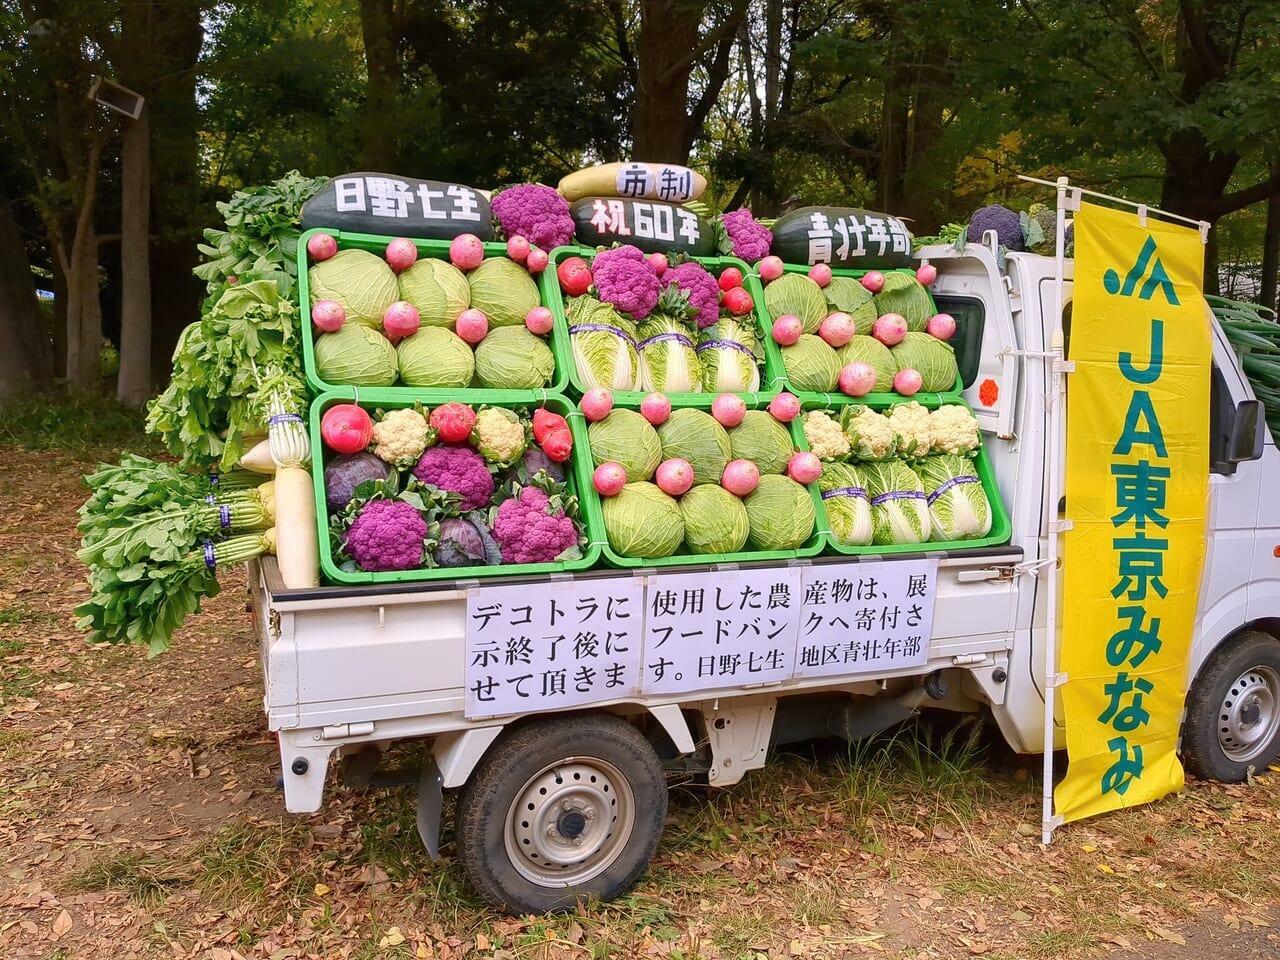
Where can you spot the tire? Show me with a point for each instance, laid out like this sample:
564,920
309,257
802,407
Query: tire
1233,710
549,791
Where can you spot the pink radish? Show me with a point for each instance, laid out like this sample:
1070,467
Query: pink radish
518,248
770,268
655,408
539,320
659,263
346,428
837,328
537,260
401,254
741,477
941,325
820,273
804,467
472,325
674,477
596,403
873,280
926,273
890,329
785,407
787,329
857,379
738,302
907,382
401,320
328,315
729,278
609,479
466,251
321,246
729,410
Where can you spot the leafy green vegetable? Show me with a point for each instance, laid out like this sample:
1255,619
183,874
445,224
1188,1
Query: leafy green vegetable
512,358
694,435
762,440
796,294
359,280
811,364
503,291
844,497
780,512
627,438
902,293
866,349
438,289
642,521
715,521
958,507
935,360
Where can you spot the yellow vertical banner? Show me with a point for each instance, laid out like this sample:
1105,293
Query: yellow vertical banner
1137,481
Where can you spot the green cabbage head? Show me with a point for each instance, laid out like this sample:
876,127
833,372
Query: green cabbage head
780,513
359,280
642,521
694,435
627,438
512,358
796,293
435,357
356,355
849,295
899,512
934,358
715,521
844,498
870,350
503,290
903,293
958,507
762,440
811,365
438,289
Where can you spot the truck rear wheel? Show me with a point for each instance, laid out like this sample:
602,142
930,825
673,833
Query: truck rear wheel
561,810
1233,712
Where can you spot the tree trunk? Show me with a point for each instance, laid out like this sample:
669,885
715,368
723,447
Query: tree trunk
659,122
895,117
133,385
377,22
84,309
1270,254
25,360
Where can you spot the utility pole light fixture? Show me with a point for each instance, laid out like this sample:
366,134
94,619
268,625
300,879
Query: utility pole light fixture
115,97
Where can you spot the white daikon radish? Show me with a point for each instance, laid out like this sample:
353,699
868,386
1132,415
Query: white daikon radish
258,458
297,543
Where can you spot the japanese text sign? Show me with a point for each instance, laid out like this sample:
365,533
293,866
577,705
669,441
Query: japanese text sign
399,206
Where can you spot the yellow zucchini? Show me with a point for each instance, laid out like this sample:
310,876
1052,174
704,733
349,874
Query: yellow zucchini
643,181
297,543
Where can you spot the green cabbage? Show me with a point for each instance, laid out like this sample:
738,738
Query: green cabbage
870,350
903,293
958,507
934,358
780,513
849,295
503,291
435,357
715,521
762,440
668,362
627,438
795,293
811,365
512,358
727,351
356,355
604,345
695,436
899,513
642,521
844,497
359,280
438,289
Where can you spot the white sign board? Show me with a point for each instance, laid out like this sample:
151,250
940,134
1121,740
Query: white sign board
859,618
541,646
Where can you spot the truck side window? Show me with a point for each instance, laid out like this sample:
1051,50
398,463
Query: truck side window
1221,410
970,322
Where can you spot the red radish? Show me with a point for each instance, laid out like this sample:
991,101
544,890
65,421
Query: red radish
873,280
328,315
770,268
539,320
837,328
674,477
596,403
472,325
787,329
907,381
730,277
346,428
537,260
659,263
401,254
558,444
941,325
890,329
926,273
452,421
466,251
518,248
545,422
401,320
785,407
655,408
232,279
857,379
804,467
729,410
820,273
574,276
321,246
741,477
738,302
609,478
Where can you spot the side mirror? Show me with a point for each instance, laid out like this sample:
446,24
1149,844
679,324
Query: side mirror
1246,432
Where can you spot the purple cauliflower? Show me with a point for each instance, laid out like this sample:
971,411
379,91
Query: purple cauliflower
1002,220
751,240
704,293
531,533
625,278
386,535
535,212
457,470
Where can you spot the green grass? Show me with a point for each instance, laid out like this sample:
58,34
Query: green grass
16,680
81,424
148,880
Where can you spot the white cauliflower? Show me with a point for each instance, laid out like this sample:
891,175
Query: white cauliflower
870,434
910,423
824,436
400,436
953,429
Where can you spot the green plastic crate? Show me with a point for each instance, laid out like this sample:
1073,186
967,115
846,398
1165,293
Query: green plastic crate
771,372
578,478
1000,525
438,249
871,398
813,546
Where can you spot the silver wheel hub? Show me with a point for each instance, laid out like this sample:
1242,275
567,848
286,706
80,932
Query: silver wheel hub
1250,714
569,822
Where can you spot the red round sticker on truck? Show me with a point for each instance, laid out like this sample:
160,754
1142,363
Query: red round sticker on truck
988,393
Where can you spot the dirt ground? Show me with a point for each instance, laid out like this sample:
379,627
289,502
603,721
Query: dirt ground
139,818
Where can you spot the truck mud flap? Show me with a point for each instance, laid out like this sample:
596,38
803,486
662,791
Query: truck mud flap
430,803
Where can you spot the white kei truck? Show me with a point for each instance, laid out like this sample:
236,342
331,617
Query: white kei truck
557,805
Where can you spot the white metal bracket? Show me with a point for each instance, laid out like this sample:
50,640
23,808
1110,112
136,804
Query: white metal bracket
1062,526
1142,214
1071,201
1057,680
1064,366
